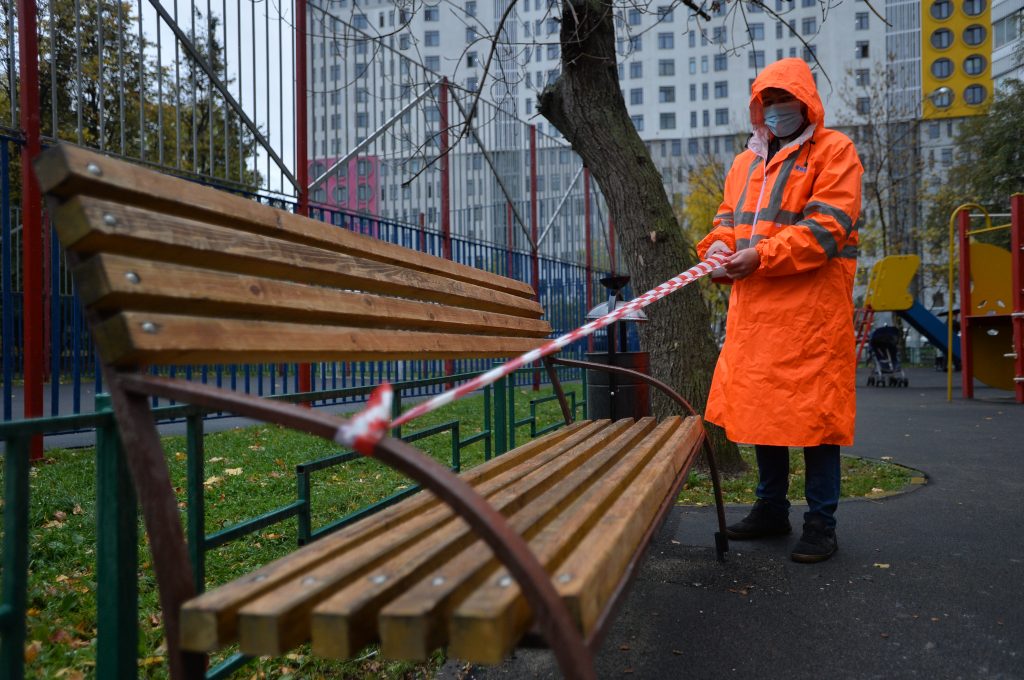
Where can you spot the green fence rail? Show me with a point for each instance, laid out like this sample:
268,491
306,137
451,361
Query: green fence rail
117,548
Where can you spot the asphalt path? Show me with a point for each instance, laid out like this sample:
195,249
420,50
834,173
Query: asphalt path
926,584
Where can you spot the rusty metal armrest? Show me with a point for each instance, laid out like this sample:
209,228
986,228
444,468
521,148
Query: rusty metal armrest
509,547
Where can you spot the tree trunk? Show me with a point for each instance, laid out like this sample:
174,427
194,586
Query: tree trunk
585,104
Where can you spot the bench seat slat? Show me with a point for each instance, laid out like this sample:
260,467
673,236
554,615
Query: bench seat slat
113,282
88,225
345,622
145,338
490,622
64,172
280,619
417,621
210,620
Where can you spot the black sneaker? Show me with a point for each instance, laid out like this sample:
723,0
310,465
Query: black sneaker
817,543
762,521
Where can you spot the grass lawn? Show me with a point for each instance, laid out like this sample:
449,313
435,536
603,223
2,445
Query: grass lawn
248,472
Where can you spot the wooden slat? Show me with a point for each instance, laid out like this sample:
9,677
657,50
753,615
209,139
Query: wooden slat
88,225
63,173
415,623
488,624
109,283
124,341
599,561
280,620
209,621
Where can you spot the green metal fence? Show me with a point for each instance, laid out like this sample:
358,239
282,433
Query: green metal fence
117,548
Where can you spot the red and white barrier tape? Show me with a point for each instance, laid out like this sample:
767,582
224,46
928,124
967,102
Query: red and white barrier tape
368,426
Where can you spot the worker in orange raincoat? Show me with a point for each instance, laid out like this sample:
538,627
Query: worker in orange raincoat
785,376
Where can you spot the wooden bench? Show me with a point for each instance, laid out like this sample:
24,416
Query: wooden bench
542,539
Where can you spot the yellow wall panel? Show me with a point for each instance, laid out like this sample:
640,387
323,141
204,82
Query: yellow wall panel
951,18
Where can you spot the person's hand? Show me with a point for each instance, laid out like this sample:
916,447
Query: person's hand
717,247
742,264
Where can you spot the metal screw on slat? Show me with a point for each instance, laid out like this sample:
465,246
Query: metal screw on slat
564,578
378,579
94,169
505,581
259,577
149,327
438,581
309,581
109,220
132,277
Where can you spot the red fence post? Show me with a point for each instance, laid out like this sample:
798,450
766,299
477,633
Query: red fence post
963,220
423,232
446,217
31,218
1017,280
534,254
590,252
510,240
301,144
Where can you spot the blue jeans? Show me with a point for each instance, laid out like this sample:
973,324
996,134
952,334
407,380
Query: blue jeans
821,486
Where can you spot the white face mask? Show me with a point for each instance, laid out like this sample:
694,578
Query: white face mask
784,118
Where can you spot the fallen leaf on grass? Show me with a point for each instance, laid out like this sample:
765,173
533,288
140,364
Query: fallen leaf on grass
216,460
234,472
213,481
77,510
32,650
180,455
70,674
151,661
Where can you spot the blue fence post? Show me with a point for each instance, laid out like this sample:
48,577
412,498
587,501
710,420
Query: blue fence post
117,555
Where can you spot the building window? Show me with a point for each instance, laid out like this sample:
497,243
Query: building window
757,31
975,34
666,41
693,119
636,96
665,14
666,67
721,62
704,64
941,9
942,68
341,194
403,41
933,130
360,21
861,50
947,157
432,39
863,77
667,121
552,51
362,119
636,43
666,95
779,27
721,116
721,89
634,17
433,63
638,122
704,91
973,8
677,147
863,105
693,92
705,116
975,94
1006,30
718,35
693,65
861,21
636,69
692,39
810,53
942,38
470,35
808,26
808,3
431,13
471,8
942,98
755,58
471,60
975,64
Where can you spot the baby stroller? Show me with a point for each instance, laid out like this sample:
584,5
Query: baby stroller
884,343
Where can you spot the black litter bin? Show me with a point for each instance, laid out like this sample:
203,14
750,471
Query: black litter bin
631,396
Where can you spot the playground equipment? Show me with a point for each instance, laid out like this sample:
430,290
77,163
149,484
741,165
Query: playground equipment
887,292
991,301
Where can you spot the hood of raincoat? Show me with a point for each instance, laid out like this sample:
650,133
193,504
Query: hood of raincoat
793,76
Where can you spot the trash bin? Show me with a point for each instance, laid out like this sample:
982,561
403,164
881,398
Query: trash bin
631,397
610,395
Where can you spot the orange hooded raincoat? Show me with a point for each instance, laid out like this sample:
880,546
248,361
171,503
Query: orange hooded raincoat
786,374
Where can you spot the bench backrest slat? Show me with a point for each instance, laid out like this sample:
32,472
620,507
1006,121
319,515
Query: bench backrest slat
172,272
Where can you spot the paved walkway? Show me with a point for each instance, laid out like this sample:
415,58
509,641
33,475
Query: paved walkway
927,584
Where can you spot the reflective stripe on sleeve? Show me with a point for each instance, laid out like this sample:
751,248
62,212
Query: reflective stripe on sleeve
824,237
832,211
